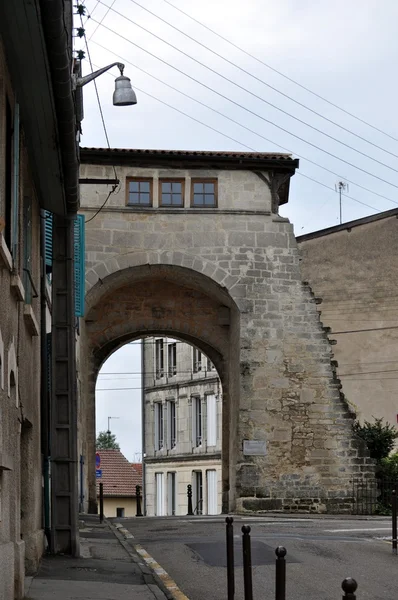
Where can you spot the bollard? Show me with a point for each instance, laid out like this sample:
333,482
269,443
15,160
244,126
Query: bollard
230,558
189,494
394,521
138,496
101,499
349,586
280,573
247,563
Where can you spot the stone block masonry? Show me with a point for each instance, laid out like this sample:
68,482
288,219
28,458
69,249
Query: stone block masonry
227,280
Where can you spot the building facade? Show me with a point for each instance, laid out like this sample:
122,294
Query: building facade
182,416
351,268
191,246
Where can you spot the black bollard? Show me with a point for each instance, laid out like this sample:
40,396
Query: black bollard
280,573
101,499
230,558
189,494
394,521
349,586
247,563
138,496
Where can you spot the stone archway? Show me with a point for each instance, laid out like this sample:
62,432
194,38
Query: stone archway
162,300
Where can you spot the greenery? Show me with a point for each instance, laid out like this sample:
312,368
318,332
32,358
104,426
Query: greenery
389,466
378,436
107,441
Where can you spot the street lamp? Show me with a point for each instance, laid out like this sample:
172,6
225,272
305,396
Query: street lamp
123,95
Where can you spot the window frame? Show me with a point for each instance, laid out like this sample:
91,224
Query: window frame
122,510
172,423
172,180
159,358
197,360
159,426
138,180
204,180
172,354
197,417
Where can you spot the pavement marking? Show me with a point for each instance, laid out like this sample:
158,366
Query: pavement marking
361,529
168,582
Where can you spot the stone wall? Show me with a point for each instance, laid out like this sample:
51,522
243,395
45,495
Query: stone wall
228,280
352,269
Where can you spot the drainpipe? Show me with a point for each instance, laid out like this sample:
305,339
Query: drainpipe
143,423
45,405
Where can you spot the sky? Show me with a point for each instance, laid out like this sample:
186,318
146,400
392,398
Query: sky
340,50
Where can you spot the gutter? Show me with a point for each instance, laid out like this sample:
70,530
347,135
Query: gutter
57,27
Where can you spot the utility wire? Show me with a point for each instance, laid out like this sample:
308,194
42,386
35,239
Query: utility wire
279,72
103,18
363,330
241,143
255,96
129,41
268,85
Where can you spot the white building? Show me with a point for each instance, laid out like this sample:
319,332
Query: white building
182,429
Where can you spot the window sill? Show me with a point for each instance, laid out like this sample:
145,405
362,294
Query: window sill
17,288
5,254
30,320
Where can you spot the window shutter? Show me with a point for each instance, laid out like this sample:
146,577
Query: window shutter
78,243
48,230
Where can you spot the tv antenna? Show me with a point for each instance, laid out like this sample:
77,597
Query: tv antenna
340,187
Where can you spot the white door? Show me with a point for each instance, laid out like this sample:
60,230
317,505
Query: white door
212,508
159,494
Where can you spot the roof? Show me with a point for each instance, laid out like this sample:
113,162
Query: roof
348,226
189,158
119,476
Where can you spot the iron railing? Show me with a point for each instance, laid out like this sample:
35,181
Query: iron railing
372,496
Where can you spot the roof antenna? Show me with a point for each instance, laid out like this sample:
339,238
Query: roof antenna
340,187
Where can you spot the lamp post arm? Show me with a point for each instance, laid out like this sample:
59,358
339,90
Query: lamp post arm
80,81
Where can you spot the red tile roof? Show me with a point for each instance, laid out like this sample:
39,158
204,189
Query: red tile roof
118,476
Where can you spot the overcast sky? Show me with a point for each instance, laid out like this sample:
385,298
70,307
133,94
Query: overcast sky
342,50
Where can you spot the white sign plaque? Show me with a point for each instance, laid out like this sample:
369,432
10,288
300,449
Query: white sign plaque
254,448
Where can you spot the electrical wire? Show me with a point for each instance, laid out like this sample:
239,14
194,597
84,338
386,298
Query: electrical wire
363,330
129,41
252,94
279,72
266,84
245,145
103,18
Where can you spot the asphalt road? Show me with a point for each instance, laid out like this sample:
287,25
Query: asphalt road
321,552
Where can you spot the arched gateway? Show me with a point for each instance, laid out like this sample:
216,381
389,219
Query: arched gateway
192,246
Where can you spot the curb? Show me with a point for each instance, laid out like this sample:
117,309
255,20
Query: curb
168,586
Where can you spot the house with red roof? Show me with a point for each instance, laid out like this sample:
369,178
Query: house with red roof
120,478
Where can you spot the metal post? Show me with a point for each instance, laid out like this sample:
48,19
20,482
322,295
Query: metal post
349,586
230,558
394,521
247,563
101,499
138,495
280,573
189,494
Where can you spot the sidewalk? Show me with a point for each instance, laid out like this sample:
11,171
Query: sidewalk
106,570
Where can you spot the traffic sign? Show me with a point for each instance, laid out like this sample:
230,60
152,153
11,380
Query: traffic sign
97,460
98,473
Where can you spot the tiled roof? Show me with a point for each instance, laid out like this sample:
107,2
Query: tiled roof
118,476
137,473
190,153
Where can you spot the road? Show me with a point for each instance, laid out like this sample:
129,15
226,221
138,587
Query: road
321,552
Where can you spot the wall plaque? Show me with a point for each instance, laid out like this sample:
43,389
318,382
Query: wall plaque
254,448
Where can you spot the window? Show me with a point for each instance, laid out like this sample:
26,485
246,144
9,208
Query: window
159,358
197,360
27,248
172,423
203,192
139,192
210,366
197,421
211,420
159,481
158,426
198,493
120,512
171,192
171,494
172,359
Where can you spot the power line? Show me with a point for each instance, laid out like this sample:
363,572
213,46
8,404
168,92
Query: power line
252,94
266,84
248,110
367,373
362,330
241,143
279,72
103,18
